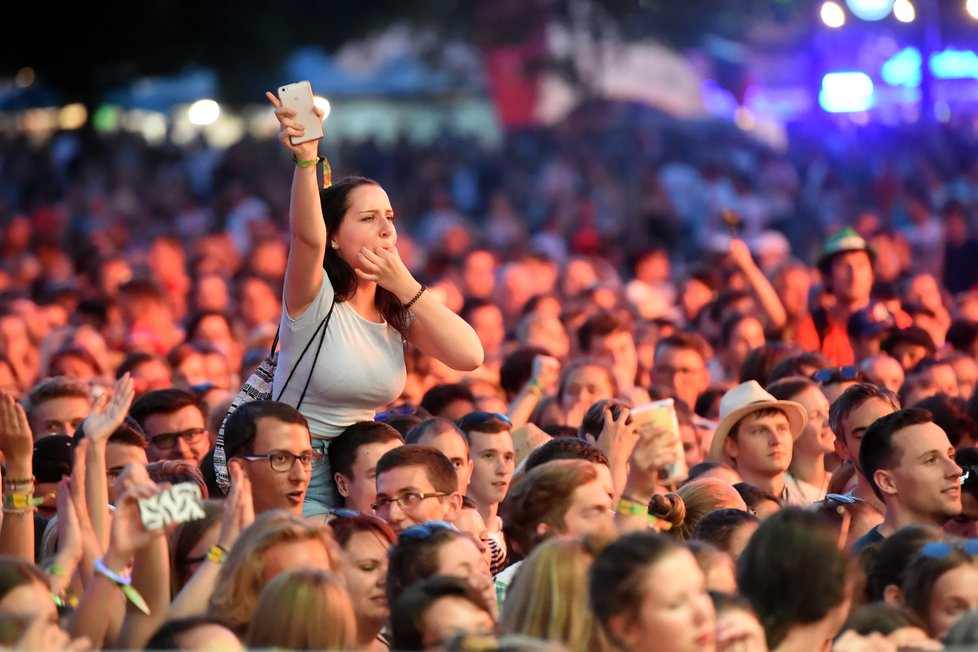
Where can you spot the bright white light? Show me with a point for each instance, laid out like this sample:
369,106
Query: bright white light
203,112
832,15
870,9
846,92
972,7
323,104
903,11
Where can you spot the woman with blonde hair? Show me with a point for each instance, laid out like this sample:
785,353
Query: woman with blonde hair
303,609
276,542
548,598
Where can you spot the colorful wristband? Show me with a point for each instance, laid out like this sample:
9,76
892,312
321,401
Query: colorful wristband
124,582
217,554
327,170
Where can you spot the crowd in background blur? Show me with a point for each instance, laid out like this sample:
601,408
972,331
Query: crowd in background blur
615,259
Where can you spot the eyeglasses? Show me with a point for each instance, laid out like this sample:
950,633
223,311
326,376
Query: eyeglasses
844,499
425,530
283,461
473,420
837,375
939,549
405,501
167,440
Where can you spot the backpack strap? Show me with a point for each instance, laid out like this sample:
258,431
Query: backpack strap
323,325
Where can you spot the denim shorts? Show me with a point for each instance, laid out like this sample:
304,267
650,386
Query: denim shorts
321,496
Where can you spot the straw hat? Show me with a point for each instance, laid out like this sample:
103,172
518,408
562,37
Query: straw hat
744,399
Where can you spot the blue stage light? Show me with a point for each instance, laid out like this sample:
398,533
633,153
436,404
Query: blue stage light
870,9
903,68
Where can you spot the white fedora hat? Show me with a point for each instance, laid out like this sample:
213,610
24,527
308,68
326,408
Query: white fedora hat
746,398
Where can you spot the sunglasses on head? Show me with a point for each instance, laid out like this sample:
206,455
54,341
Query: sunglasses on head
472,420
425,530
939,549
397,411
837,375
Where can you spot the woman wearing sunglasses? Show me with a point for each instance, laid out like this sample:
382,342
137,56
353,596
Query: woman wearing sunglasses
351,301
437,548
941,584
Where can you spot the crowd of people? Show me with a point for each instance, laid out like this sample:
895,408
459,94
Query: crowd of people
442,438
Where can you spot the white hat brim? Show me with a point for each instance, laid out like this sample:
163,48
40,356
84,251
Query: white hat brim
797,420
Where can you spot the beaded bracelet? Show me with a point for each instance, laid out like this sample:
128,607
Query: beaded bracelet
416,297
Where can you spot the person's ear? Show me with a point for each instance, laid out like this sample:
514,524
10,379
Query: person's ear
841,449
342,484
730,447
893,595
621,631
236,462
884,481
454,507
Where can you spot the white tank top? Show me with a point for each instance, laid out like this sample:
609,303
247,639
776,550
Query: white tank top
360,368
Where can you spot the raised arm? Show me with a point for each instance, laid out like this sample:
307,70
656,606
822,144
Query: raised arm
105,418
17,444
307,231
764,292
239,512
436,330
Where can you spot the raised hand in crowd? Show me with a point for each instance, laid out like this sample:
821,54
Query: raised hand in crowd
544,375
17,446
617,439
239,513
101,610
108,413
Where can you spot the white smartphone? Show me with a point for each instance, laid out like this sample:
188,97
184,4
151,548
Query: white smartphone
298,96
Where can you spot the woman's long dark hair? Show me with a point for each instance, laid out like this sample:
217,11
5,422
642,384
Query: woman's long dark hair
335,201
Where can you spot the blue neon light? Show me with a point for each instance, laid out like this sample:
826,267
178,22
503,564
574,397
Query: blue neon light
903,68
847,92
954,64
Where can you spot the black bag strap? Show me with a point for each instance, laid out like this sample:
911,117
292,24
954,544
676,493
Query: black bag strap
323,325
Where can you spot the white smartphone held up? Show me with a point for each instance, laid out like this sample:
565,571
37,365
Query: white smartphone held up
298,96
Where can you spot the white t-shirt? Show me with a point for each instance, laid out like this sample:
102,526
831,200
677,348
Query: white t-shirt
360,368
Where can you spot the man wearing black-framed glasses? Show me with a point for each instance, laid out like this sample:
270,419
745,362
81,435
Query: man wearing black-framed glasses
174,423
270,442
416,484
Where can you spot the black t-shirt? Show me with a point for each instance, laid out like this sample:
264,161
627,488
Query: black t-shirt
868,539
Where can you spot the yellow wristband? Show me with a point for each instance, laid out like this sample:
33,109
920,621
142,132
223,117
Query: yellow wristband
631,508
217,554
